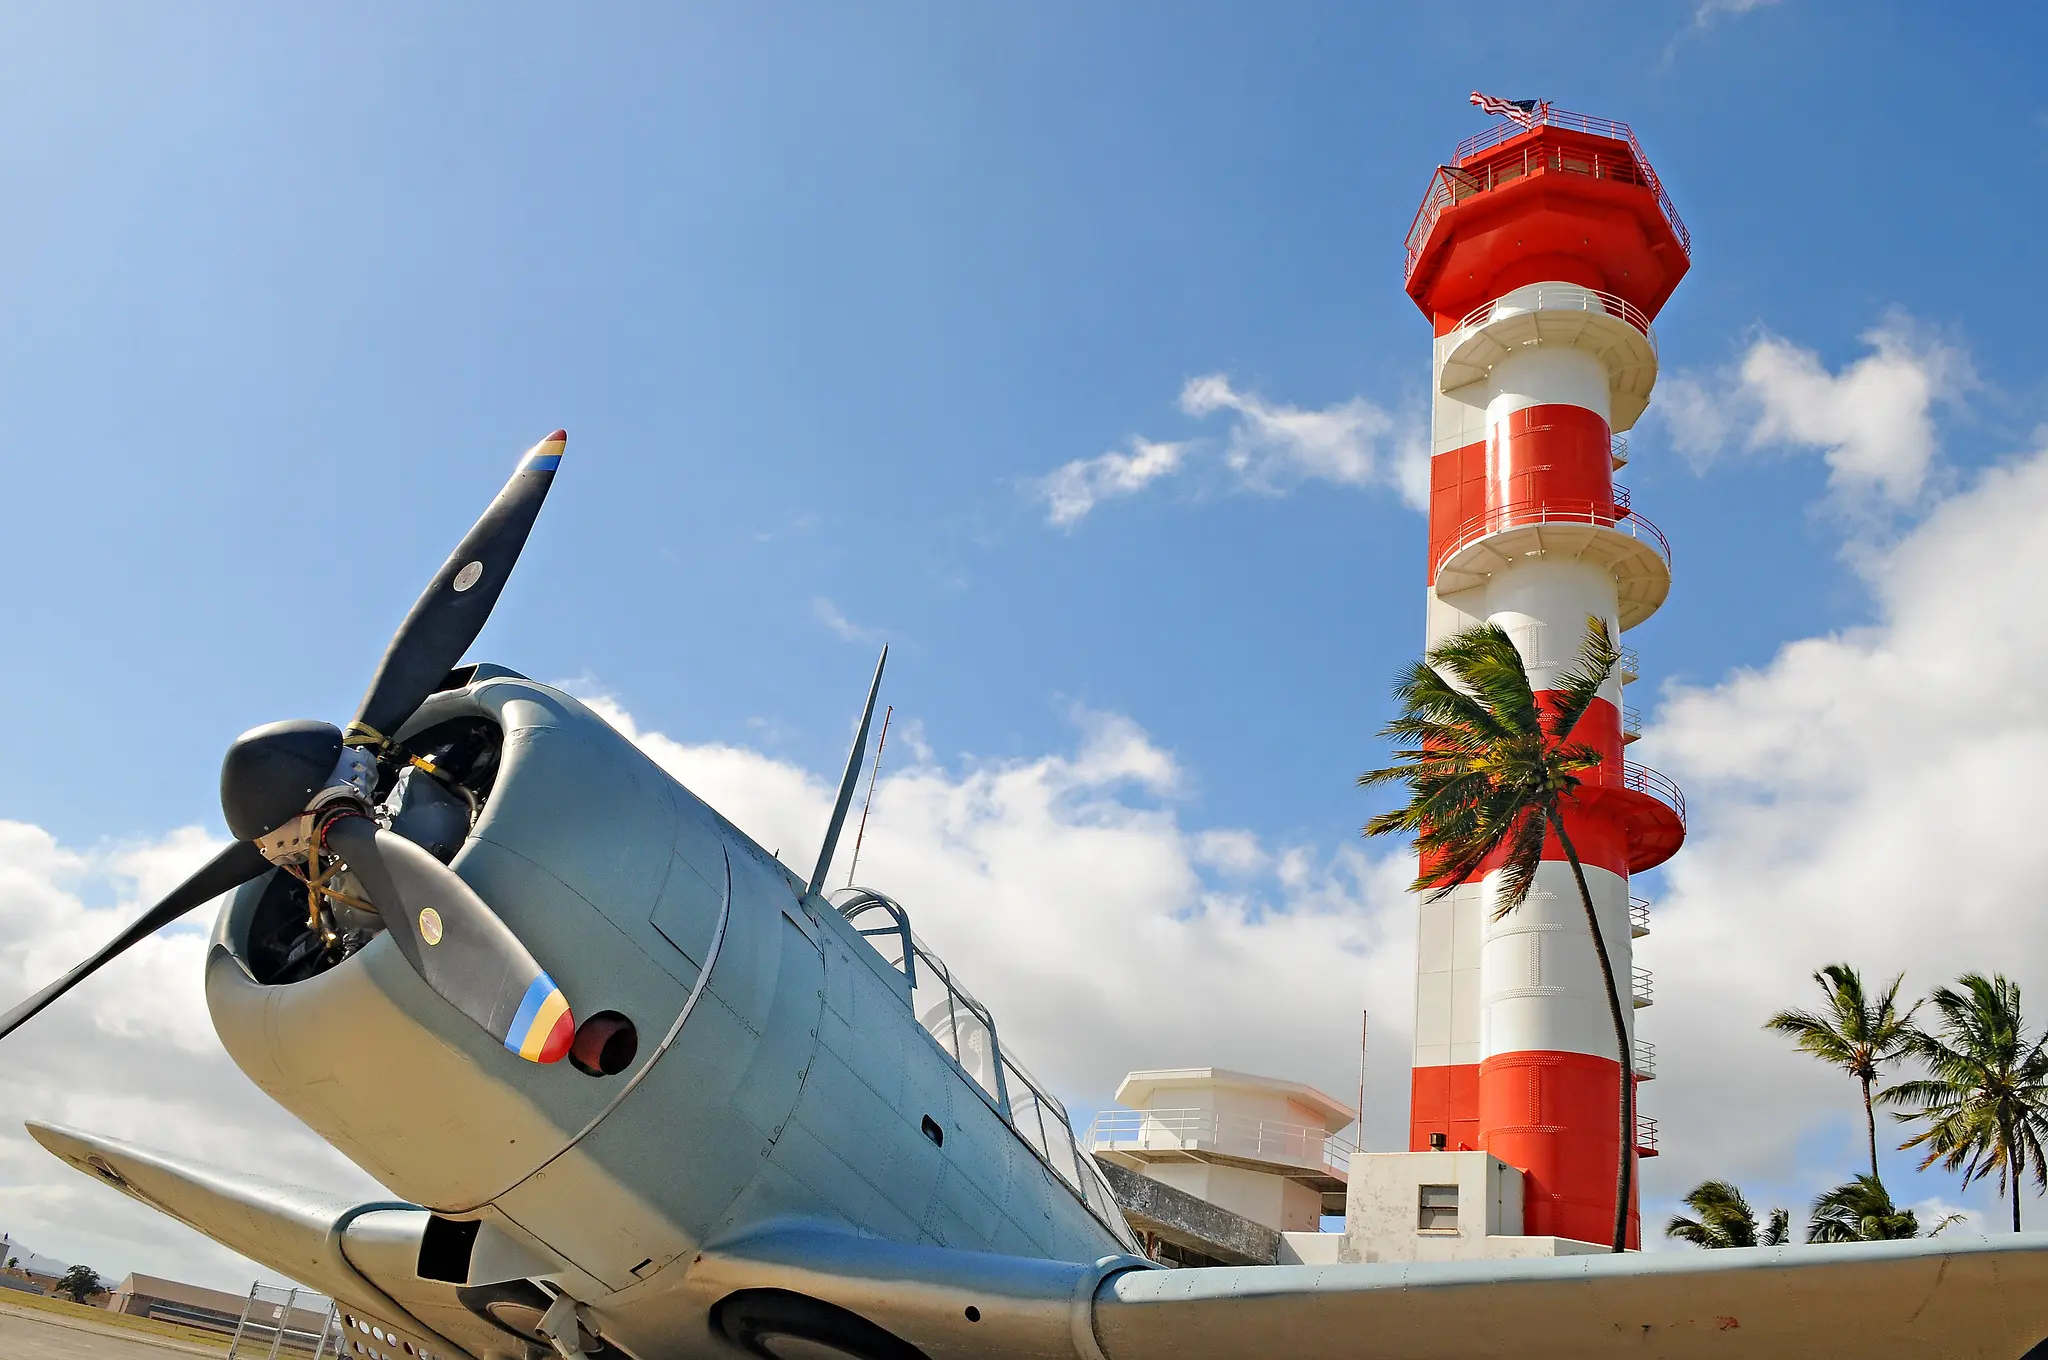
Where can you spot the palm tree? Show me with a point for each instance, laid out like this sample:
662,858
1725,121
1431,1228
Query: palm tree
1855,1031
1860,1211
1490,771
1725,1220
1985,1095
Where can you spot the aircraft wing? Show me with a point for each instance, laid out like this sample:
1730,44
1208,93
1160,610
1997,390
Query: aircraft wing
1942,1297
1947,1297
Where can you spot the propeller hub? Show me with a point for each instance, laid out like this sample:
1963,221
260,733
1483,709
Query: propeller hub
272,772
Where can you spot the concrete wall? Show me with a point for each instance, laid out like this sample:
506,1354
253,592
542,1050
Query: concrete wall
1384,1202
1279,1204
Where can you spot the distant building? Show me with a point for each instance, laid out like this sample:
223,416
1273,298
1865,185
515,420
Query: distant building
216,1310
1267,1153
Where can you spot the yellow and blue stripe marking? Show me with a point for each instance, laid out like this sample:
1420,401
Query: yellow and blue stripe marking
541,1012
545,456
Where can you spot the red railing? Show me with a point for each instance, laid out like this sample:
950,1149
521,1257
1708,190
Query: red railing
1561,297
1458,181
1606,514
1642,779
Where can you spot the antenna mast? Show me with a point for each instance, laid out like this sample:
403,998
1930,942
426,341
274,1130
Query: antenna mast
873,774
847,783
1364,1047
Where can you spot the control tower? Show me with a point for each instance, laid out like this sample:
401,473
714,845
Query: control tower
1540,255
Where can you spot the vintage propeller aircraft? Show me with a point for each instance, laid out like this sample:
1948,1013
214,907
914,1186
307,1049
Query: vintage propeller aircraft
820,1147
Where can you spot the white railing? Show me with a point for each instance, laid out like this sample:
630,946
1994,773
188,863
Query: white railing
1645,993
1630,666
1639,916
1556,510
1617,450
1193,1130
1646,1059
1631,721
1561,297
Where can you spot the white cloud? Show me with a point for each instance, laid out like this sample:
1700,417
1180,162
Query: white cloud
1711,10
841,627
1269,448
1074,489
129,1053
1872,422
1354,443
1868,797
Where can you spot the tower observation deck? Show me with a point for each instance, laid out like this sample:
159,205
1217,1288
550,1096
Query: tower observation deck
1541,255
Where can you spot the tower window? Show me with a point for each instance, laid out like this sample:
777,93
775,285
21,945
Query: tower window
1437,1208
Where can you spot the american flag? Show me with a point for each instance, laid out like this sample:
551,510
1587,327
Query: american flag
1527,112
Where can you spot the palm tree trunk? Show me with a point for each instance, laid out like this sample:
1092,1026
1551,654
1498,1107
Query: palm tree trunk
2018,1164
1625,1164
1870,1124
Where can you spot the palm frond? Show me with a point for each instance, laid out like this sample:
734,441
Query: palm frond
1581,684
1484,659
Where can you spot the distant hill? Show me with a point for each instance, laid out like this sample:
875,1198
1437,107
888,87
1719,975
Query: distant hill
30,1260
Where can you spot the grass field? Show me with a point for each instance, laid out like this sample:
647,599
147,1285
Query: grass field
80,1312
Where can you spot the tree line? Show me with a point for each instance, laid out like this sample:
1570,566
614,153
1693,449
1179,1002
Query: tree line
1980,1097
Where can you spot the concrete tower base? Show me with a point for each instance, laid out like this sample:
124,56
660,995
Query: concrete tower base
1440,1206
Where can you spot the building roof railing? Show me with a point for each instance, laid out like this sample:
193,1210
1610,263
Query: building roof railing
1463,178
1202,1131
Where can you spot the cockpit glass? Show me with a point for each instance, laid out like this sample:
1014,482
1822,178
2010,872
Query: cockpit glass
964,1029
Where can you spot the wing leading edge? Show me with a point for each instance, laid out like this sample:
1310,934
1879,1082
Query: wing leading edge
1966,1297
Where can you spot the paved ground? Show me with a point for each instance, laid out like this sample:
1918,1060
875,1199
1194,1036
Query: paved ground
29,1335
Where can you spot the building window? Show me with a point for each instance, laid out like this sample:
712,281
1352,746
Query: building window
1437,1209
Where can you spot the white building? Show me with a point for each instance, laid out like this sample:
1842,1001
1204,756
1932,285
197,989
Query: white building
1265,1149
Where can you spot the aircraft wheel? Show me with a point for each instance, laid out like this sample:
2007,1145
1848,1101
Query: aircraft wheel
780,1325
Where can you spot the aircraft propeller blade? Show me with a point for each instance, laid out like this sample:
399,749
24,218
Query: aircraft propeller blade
274,773
455,942
458,601
225,872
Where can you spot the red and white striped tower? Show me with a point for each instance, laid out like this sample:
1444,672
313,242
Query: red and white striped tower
1540,256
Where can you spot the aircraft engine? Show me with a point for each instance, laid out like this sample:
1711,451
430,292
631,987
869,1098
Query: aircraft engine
303,798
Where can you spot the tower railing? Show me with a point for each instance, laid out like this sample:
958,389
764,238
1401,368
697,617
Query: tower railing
1638,916
1562,297
1631,722
1617,450
1646,1135
1556,510
1642,779
1646,1059
1630,666
1455,183
1642,986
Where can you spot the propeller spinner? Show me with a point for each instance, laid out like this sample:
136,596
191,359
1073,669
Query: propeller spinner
300,795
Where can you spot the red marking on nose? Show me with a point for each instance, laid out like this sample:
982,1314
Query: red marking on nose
559,1038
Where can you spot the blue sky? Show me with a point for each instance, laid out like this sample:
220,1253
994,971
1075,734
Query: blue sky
822,298
817,299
